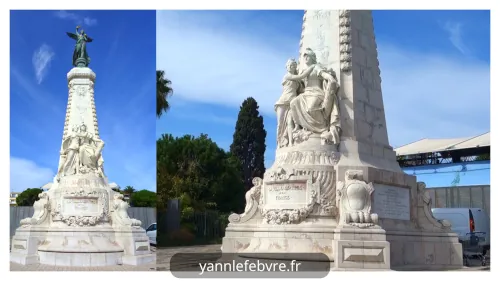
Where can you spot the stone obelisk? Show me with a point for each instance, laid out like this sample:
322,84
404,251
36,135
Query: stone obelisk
335,187
345,41
80,220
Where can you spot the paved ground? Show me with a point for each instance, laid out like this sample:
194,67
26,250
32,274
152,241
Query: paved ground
163,257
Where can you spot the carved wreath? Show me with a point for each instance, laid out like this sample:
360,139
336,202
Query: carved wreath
72,220
289,216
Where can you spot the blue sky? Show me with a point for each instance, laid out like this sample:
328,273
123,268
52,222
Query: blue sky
123,58
435,68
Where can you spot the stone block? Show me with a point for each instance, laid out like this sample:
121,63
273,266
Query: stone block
97,259
456,257
442,252
378,151
362,236
397,253
379,135
390,154
276,234
363,130
376,99
358,55
429,252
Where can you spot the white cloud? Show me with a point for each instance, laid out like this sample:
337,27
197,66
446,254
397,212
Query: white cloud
425,95
89,21
25,173
454,30
77,19
41,61
206,117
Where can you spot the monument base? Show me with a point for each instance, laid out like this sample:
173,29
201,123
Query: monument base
95,246
80,221
345,247
351,248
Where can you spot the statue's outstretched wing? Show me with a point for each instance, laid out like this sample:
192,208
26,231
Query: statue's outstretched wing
89,39
72,35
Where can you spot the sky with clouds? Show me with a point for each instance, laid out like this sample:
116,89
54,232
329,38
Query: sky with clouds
123,58
435,68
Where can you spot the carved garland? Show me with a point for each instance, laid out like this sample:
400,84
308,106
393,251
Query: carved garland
302,36
345,40
73,220
71,87
94,111
287,216
323,177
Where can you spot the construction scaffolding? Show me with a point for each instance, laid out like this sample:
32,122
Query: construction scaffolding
427,152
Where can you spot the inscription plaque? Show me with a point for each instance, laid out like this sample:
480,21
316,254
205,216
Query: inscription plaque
80,206
391,202
294,193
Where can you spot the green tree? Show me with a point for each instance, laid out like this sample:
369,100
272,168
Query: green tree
249,141
163,92
143,198
128,190
28,197
199,173
483,157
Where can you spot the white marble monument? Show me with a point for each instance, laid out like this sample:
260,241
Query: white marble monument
335,186
80,220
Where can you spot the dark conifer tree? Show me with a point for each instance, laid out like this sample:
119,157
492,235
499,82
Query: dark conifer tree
249,141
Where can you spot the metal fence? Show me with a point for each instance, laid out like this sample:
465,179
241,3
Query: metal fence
208,225
146,215
198,227
475,196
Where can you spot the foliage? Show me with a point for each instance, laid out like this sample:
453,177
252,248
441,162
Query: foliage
116,189
28,197
483,157
163,92
129,190
249,141
143,198
199,173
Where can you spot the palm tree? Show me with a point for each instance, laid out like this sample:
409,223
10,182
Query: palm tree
163,91
128,190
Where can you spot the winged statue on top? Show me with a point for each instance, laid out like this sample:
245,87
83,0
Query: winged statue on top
80,55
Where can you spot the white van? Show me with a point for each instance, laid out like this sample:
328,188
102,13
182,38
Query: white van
151,233
465,221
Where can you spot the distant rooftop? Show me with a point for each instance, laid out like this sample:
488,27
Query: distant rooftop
441,145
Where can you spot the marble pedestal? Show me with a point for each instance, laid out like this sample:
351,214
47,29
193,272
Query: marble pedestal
341,219
80,221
